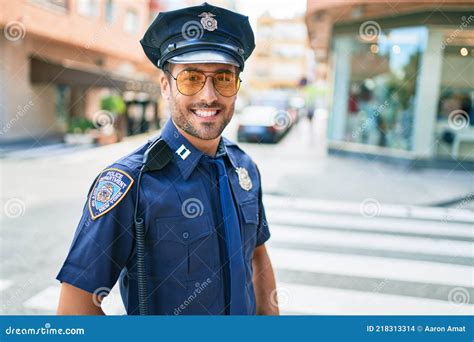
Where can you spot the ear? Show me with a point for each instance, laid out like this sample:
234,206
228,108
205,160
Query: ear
165,86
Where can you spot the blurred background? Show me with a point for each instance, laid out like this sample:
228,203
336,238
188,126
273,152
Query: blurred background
360,115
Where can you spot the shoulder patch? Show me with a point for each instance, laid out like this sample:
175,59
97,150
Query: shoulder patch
110,188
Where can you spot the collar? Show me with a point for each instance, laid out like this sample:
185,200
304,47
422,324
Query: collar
186,156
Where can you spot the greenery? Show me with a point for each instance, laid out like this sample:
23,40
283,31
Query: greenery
114,104
80,125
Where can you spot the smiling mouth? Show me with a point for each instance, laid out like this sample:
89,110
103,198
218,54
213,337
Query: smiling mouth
205,113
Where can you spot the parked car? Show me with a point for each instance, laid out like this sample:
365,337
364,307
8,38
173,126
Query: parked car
263,124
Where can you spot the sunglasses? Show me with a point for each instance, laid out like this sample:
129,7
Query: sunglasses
190,82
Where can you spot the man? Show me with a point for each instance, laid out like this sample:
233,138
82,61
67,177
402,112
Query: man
197,199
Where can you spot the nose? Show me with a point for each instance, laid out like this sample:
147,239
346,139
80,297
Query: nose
208,93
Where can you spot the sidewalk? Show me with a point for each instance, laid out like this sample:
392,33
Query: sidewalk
299,167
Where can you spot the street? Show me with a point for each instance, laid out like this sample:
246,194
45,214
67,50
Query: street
348,236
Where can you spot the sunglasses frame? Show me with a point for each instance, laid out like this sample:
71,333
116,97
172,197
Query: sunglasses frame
206,74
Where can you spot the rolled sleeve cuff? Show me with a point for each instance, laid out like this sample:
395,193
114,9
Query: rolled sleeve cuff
80,278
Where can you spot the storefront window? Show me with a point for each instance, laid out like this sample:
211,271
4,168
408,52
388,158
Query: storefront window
382,78
455,117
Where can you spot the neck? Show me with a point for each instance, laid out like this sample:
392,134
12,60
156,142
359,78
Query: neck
208,147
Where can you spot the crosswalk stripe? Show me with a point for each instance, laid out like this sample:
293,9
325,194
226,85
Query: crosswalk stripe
5,284
381,225
45,300
354,208
311,300
308,236
376,267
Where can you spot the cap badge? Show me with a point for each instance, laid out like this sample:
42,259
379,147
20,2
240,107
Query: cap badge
244,178
207,21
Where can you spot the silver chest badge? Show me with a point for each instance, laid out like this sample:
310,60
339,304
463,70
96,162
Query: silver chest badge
207,21
244,179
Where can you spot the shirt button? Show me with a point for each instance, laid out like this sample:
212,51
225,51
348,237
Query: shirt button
185,235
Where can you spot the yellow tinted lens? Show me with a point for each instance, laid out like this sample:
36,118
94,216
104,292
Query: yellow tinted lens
190,82
226,83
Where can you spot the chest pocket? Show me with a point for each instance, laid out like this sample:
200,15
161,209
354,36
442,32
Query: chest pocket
181,247
249,211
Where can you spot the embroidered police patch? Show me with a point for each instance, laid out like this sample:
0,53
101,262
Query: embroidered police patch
109,189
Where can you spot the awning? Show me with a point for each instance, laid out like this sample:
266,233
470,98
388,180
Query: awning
45,71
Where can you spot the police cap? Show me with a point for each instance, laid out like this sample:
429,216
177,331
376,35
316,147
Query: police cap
199,34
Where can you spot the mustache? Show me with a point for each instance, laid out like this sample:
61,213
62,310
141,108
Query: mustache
207,105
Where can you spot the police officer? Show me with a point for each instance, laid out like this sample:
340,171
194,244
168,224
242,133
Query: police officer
180,221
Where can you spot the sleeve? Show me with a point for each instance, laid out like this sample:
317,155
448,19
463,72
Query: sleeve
263,232
104,238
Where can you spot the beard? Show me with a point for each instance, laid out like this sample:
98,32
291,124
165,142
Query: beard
185,119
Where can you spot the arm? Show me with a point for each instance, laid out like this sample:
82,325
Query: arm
264,282
74,301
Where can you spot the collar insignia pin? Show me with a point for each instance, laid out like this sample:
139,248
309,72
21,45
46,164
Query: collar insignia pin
183,152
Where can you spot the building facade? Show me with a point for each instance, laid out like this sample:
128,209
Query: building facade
282,56
401,77
59,58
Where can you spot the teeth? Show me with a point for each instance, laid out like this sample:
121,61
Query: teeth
205,113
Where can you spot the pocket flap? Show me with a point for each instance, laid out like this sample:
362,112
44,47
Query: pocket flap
250,211
182,229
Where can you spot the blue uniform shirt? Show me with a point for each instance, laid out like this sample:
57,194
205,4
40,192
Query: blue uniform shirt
185,250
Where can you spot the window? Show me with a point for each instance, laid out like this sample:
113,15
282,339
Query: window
110,11
454,134
131,22
88,8
381,76
55,5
